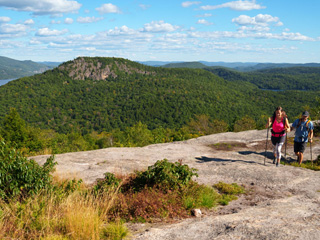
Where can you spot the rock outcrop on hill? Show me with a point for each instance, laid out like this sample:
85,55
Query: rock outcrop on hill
281,202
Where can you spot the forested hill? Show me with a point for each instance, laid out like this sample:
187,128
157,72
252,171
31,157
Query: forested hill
292,78
10,68
103,94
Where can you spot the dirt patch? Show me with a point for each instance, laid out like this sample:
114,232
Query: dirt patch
228,146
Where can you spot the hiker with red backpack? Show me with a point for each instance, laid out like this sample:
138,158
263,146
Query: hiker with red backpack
304,131
280,125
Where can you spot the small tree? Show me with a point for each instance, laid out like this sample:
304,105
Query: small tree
14,129
138,135
244,124
20,176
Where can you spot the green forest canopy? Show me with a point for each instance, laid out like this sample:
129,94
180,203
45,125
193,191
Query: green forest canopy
117,93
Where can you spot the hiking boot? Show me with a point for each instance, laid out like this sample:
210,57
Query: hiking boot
274,160
277,164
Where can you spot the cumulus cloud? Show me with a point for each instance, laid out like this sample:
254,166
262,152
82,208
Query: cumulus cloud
4,19
55,22
159,26
43,7
108,8
29,22
144,7
48,32
124,30
204,15
236,5
68,21
189,3
12,28
88,19
204,22
260,19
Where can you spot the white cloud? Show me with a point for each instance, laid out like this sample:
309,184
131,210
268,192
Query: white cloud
48,32
88,19
108,8
204,22
236,5
68,21
255,28
42,7
124,30
12,28
279,24
189,3
204,15
144,7
159,26
4,19
29,22
55,22
260,19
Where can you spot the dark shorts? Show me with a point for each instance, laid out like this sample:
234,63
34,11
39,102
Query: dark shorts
276,140
299,146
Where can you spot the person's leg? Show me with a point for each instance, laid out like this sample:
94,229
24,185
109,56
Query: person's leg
274,153
296,150
279,146
274,144
300,157
299,148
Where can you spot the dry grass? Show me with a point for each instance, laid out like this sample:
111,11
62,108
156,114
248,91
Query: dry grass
78,215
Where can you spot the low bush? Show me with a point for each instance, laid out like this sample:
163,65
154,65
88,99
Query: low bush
21,177
165,175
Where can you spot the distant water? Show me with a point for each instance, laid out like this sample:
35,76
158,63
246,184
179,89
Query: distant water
4,81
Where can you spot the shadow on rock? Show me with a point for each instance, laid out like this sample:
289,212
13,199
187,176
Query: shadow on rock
268,155
204,159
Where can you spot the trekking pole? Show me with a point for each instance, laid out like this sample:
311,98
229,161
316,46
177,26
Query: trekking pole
265,154
311,152
285,150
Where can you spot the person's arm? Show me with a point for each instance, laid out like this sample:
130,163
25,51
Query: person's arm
293,125
287,126
311,135
269,122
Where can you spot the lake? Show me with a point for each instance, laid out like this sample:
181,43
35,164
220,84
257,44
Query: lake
4,81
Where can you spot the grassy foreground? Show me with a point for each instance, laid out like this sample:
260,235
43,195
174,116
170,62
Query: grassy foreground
69,209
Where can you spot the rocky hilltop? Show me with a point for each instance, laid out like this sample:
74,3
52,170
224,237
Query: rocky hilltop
281,202
101,68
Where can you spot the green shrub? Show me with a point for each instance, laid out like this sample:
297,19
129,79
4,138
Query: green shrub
109,181
116,230
228,192
226,188
166,175
20,176
200,196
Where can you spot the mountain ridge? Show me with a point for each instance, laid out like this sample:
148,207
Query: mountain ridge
11,68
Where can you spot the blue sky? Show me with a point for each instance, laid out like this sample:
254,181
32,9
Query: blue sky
162,30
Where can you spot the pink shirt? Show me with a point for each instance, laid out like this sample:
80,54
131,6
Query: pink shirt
278,127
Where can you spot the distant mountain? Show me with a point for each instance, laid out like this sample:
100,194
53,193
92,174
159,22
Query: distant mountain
185,65
11,68
51,64
156,63
285,78
239,66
